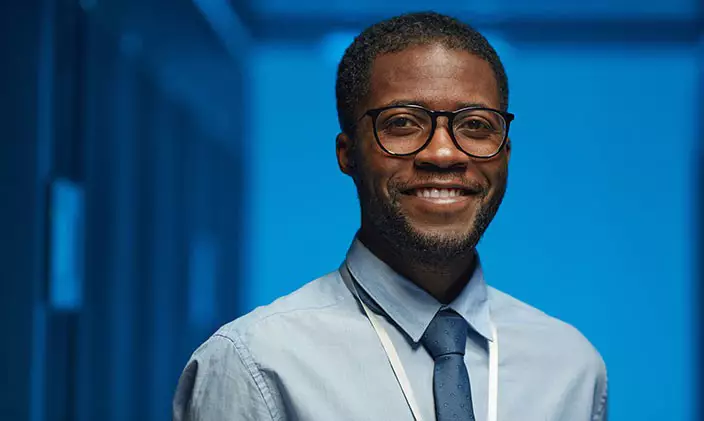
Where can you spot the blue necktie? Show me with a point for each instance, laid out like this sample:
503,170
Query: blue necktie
445,340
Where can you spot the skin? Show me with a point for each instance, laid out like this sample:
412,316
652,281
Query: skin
428,242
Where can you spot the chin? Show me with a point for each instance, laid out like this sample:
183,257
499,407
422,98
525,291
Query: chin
457,231
443,234
442,237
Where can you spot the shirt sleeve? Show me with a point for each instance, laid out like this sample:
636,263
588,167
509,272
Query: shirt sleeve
222,383
600,408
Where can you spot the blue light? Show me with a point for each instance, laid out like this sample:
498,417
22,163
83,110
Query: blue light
66,252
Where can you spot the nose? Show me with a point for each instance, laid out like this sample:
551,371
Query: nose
441,152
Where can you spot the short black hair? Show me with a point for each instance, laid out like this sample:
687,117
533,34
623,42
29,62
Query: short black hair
395,35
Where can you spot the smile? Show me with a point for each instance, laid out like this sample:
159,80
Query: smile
435,193
434,196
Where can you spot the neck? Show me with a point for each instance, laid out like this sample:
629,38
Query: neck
443,280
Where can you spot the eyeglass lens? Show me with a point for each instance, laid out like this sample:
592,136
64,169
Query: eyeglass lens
404,130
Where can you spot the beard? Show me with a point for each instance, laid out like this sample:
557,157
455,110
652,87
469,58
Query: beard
426,248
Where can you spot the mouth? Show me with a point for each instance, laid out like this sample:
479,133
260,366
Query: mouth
440,194
437,193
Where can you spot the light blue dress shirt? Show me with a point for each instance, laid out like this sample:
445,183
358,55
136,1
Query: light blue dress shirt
313,355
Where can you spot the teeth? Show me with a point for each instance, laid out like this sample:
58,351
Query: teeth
435,193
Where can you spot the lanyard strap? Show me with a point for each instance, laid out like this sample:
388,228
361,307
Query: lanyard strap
400,372
395,361
493,408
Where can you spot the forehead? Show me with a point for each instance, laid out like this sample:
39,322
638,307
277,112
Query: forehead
433,76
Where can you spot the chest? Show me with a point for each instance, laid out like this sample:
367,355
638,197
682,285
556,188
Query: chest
345,374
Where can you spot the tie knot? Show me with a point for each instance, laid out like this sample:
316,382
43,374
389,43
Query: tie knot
446,334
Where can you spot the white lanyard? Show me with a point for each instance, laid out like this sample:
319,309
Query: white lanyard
400,372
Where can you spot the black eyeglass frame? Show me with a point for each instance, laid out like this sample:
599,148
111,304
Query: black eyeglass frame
374,114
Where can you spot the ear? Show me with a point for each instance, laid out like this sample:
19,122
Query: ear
344,148
508,149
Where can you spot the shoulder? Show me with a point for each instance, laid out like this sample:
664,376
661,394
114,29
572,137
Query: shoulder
537,345
544,337
236,356
319,295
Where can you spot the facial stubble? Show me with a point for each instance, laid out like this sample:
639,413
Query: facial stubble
431,251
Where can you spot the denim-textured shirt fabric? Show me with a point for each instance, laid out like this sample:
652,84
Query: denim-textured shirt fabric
313,355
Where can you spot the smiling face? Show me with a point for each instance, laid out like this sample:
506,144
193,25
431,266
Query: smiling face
436,203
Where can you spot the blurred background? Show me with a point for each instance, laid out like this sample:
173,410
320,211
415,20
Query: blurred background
167,166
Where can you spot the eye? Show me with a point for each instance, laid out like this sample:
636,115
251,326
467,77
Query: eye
475,127
476,124
400,122
400,126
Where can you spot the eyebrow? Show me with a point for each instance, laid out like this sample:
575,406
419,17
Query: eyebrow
461,105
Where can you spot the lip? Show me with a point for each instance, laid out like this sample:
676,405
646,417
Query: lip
469,190
440,201
440,205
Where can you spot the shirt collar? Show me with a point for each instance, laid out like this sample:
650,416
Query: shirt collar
408,305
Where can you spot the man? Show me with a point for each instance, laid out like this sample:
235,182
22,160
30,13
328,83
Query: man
407,327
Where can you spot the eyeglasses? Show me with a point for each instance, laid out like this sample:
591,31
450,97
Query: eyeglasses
403,130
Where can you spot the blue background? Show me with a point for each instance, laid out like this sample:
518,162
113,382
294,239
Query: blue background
167,166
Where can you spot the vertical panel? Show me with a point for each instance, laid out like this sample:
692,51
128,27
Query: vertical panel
202,279
140,301
182,135
698,298
65,255
203,247
22,200
229,181
113,348
123,265
163,249
103,389
45,146
92,348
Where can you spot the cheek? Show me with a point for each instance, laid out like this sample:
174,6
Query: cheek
367,180
495,172
375,183
373,173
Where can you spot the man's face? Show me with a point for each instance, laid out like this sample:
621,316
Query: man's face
392,190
